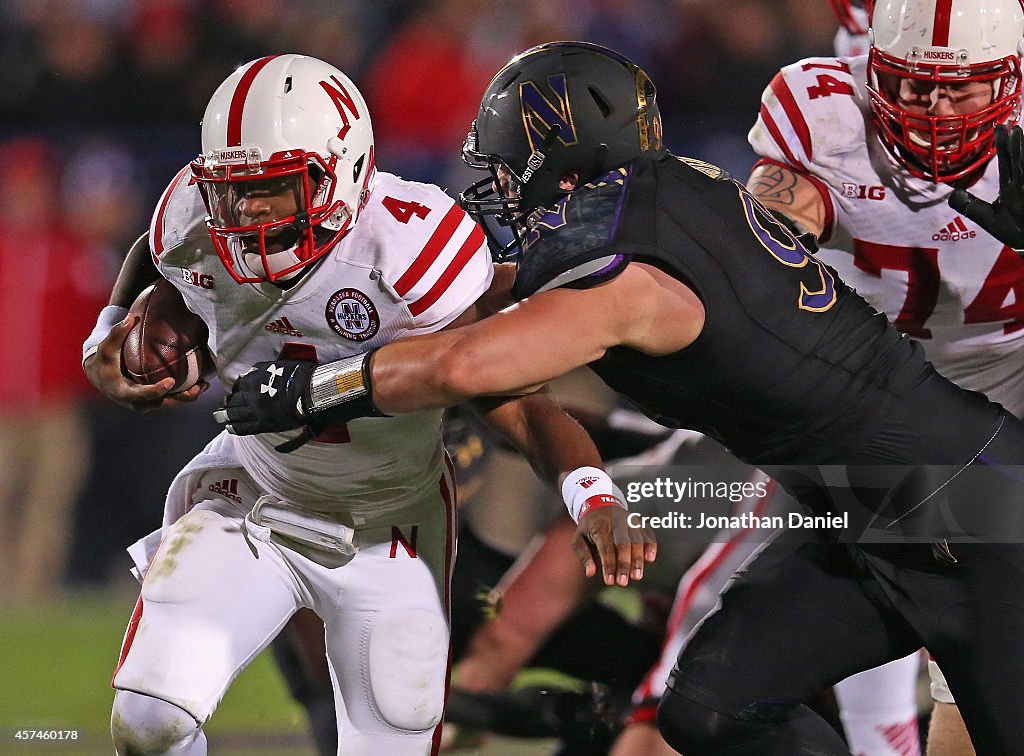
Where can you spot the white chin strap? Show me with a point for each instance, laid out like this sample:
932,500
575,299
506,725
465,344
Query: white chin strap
277,261
922,141
918,139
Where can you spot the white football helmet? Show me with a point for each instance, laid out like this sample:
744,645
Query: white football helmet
852,15
288,126
930,45
852,37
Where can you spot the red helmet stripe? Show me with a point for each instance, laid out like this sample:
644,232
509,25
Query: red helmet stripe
940,31
238,100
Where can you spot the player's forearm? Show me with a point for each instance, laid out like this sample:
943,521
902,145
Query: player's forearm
407,377
552,441
511,353
791,194
136,273
447,368
558,445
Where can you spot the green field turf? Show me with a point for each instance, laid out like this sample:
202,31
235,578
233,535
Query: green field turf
57,661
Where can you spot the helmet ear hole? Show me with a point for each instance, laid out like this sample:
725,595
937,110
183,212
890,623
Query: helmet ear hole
357,169
602,104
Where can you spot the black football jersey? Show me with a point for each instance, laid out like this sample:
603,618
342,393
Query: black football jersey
792,366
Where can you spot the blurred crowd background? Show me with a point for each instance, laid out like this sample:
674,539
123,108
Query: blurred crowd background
100,106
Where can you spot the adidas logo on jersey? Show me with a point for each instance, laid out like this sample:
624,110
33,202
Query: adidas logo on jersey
955,231
281,325
227,488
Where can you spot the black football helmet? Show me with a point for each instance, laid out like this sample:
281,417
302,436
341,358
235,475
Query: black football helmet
554,109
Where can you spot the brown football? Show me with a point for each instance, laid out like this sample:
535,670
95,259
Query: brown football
168,340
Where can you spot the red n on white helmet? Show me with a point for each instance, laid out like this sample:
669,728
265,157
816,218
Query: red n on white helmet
284,125
936,45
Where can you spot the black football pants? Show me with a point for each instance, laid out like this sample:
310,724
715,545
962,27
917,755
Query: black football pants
805,616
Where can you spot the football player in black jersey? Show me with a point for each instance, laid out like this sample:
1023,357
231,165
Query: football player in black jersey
682,293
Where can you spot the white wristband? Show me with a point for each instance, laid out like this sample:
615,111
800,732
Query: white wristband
588,487
109,317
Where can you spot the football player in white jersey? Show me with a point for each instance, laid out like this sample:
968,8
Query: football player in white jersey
313,255
864,152
859,604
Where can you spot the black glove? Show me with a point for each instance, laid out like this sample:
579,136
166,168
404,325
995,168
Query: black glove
269,397
1004,218
277,396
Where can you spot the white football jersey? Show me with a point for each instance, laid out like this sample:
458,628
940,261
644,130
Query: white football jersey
412,264
939,277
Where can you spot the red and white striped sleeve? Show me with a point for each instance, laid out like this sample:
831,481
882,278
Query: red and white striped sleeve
811,110
451,267
179,210
781,132
810,115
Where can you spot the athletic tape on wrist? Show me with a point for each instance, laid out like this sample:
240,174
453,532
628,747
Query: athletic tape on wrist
337,383
587,488
109,317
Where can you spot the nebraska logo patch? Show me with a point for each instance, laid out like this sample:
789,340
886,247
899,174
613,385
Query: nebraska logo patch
352,314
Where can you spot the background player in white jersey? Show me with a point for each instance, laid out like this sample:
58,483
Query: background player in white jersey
864,153
852,36
358,523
